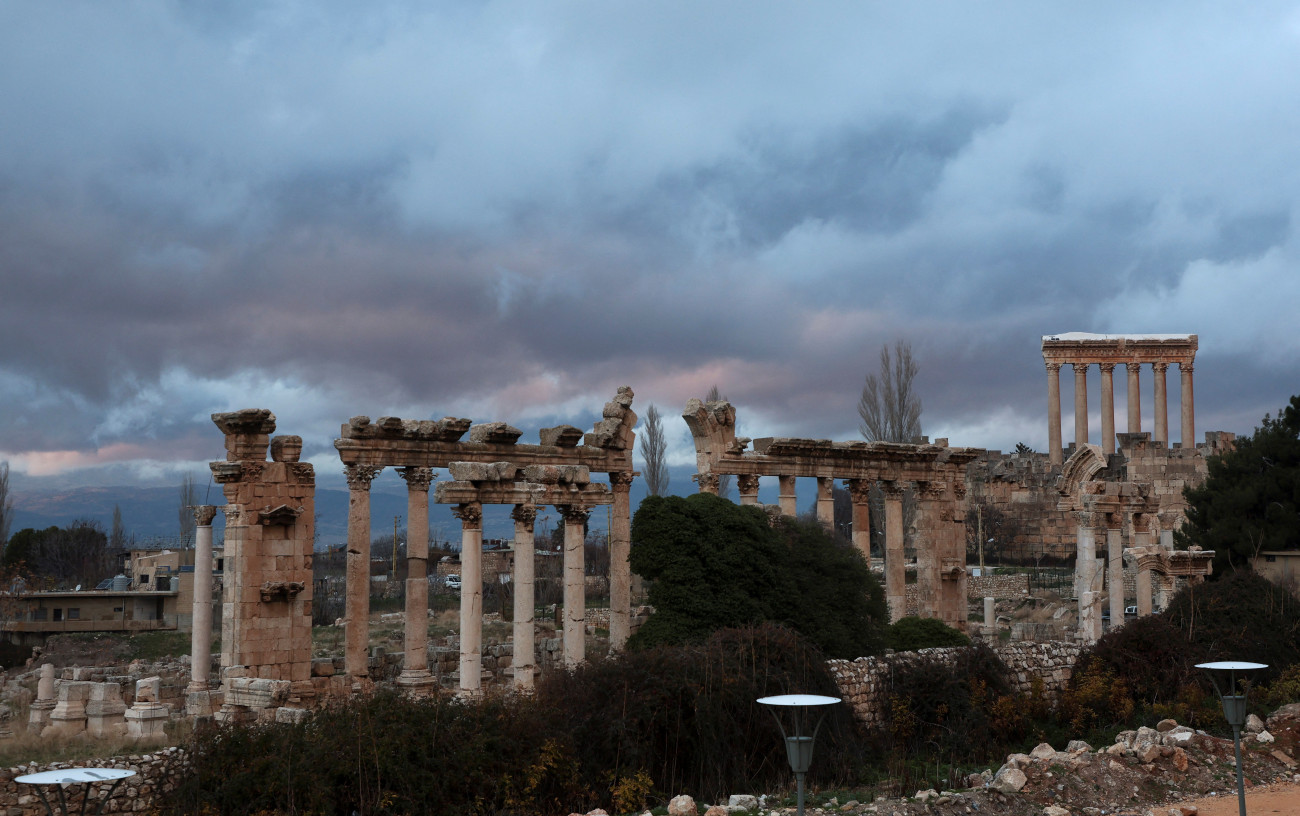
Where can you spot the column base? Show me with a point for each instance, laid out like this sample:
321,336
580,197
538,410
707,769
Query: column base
417,683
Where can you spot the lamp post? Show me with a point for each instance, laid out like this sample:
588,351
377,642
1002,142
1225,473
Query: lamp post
800,737
1234,707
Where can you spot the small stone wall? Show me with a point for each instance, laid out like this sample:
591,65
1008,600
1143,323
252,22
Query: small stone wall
863,682
133,795
1001,586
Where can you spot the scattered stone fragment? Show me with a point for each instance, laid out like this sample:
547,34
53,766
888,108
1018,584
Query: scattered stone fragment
682,806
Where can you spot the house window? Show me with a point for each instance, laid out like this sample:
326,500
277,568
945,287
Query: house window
58,615
74,613
117,609
40,614
1270,558
144,578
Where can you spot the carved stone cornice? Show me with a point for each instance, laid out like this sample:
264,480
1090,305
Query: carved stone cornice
204,514
417,479
360,476
470,515
301,472
282,515
620,481
747,484
524,513
251,471
574,513
226,472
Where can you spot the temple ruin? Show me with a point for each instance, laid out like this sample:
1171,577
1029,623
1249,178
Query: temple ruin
936,472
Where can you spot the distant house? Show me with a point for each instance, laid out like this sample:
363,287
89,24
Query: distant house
1279,566
154,591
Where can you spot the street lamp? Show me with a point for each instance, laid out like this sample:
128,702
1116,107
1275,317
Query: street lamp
1234,706
799,738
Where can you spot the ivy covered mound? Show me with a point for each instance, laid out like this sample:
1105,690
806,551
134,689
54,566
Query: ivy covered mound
713,564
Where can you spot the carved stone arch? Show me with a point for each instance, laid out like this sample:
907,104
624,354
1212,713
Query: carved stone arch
1086,462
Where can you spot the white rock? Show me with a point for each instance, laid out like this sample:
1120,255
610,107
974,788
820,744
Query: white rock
1010,780
682,806
1055,810
742,802
1254,724
926,795
1043,751
1264,737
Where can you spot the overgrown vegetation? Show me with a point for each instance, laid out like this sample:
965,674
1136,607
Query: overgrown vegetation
714,564
912,633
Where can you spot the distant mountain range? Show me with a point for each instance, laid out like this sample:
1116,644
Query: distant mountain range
151,513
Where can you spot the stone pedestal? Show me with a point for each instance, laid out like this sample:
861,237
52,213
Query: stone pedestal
104,711
39,715
69,714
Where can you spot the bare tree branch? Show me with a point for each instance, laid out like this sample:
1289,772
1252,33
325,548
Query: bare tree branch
189,497
6,504
889,407
654,446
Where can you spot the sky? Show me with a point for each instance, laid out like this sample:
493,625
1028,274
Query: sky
505,210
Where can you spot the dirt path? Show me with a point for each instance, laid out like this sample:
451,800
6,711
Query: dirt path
1262,801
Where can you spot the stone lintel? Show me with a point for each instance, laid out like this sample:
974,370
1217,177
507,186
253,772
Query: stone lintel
521,493
410,452
1089,349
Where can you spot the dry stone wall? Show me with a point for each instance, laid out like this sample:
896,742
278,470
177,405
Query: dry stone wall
133,795
864,682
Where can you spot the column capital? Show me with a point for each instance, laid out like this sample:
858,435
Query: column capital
1160,367
860,490
1187,367
360,476
1086,518
1053,368
893,489
620,481
747,483
524,513
574,513
417,479
470,515
1080,368
233,513
1106,368
204,513
708,482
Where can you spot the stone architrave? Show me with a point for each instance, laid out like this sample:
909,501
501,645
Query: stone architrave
471,596
201,628
39,715
356,660
895,565
575,584
415,678
620,571
524,663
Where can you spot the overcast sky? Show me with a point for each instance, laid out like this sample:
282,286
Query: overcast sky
505,210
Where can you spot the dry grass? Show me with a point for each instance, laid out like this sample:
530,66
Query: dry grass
27,746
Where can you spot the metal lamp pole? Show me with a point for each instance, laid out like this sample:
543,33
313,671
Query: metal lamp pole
799,738
1234,708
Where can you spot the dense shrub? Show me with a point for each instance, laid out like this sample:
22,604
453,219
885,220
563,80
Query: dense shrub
713,564
911,633
687,718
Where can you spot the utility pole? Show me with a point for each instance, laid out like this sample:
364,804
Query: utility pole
396,519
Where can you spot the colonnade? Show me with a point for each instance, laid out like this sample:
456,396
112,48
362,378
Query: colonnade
1081,351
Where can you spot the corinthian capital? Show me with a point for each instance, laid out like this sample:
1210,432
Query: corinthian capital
524,513
417,478
470,515
747,484
204,514
620,481
360,476
1106,368
574,513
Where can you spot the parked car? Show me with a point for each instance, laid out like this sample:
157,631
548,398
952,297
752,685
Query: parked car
453,582
1130,611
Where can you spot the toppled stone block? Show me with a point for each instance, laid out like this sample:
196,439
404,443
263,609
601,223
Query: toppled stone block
257,692
495,432
561,436
286,714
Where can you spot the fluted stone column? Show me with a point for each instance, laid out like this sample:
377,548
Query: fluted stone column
620,570
416,678
471,596
826,501
201,617
1134,397
357,606
747,486
787,496
1054,413
1115,573
1080,405
575,584
1187,406
525,662
860,492
895,566
1107,407
1162,403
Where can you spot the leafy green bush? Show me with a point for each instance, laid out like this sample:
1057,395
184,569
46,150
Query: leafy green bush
911,633
713,564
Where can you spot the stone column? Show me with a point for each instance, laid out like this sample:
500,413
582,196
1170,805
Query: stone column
708,482
357,610
1115,571
787,496
826,501
39,715
575,584
895,567
1086,574
1162,403
990,619
524,662
620,571
1054,413
471,596
416,678
747,486
1107,407
860,492
1080,405
1134,397
1187,406
201,616
1142,543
